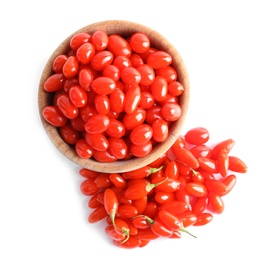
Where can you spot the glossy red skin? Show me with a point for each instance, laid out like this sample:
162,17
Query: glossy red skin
170,220
160,229
111,232
215,186
110,202
54,116
97,215
229,181
101,59
169,99
187,218
203,219
78,39
146,234
97,141
130,75
85,79
139,42
207,164
167,184
197,136
119,46
121,62
111,71
97,124
100,40
104,156
118,180
216,203
185,156
120,195
54,82
201,151
226,144
127,211
153,113
159,161
135,60
198,177
83,149
140,204
103,85
196,189
171,75
159,88
67,108
171,170
147,100
93,202
175,207
69,134
70,68
223,162
141,134
77,123
139,173
78,96
171,111
115,129
117,147
237,165
87,111
132,242
117,98
159,59
137,191
191,187
85,53
132,99
140,222
183,196
200,205
141,150
159,202
103,181
88,187
58,63
162,197
147,74
89,174
102,104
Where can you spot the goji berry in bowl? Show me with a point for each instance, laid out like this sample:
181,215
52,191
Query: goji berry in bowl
113,96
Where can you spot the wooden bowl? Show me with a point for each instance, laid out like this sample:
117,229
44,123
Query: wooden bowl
125,29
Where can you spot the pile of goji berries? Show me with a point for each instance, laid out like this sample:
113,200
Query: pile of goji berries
113,97
184,187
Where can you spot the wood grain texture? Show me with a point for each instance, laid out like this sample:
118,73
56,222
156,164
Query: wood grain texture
124,28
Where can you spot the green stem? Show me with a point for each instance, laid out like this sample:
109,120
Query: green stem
125,232
186,231
150,186
154,170
194,172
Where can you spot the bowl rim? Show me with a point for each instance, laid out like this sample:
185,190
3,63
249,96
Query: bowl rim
124,28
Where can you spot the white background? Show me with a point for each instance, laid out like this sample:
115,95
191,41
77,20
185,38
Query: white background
225,47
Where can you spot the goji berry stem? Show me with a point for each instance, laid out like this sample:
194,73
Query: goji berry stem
150,186
154,170
112,216
125,232
183,229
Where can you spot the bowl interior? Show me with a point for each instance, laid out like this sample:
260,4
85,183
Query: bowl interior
125,29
